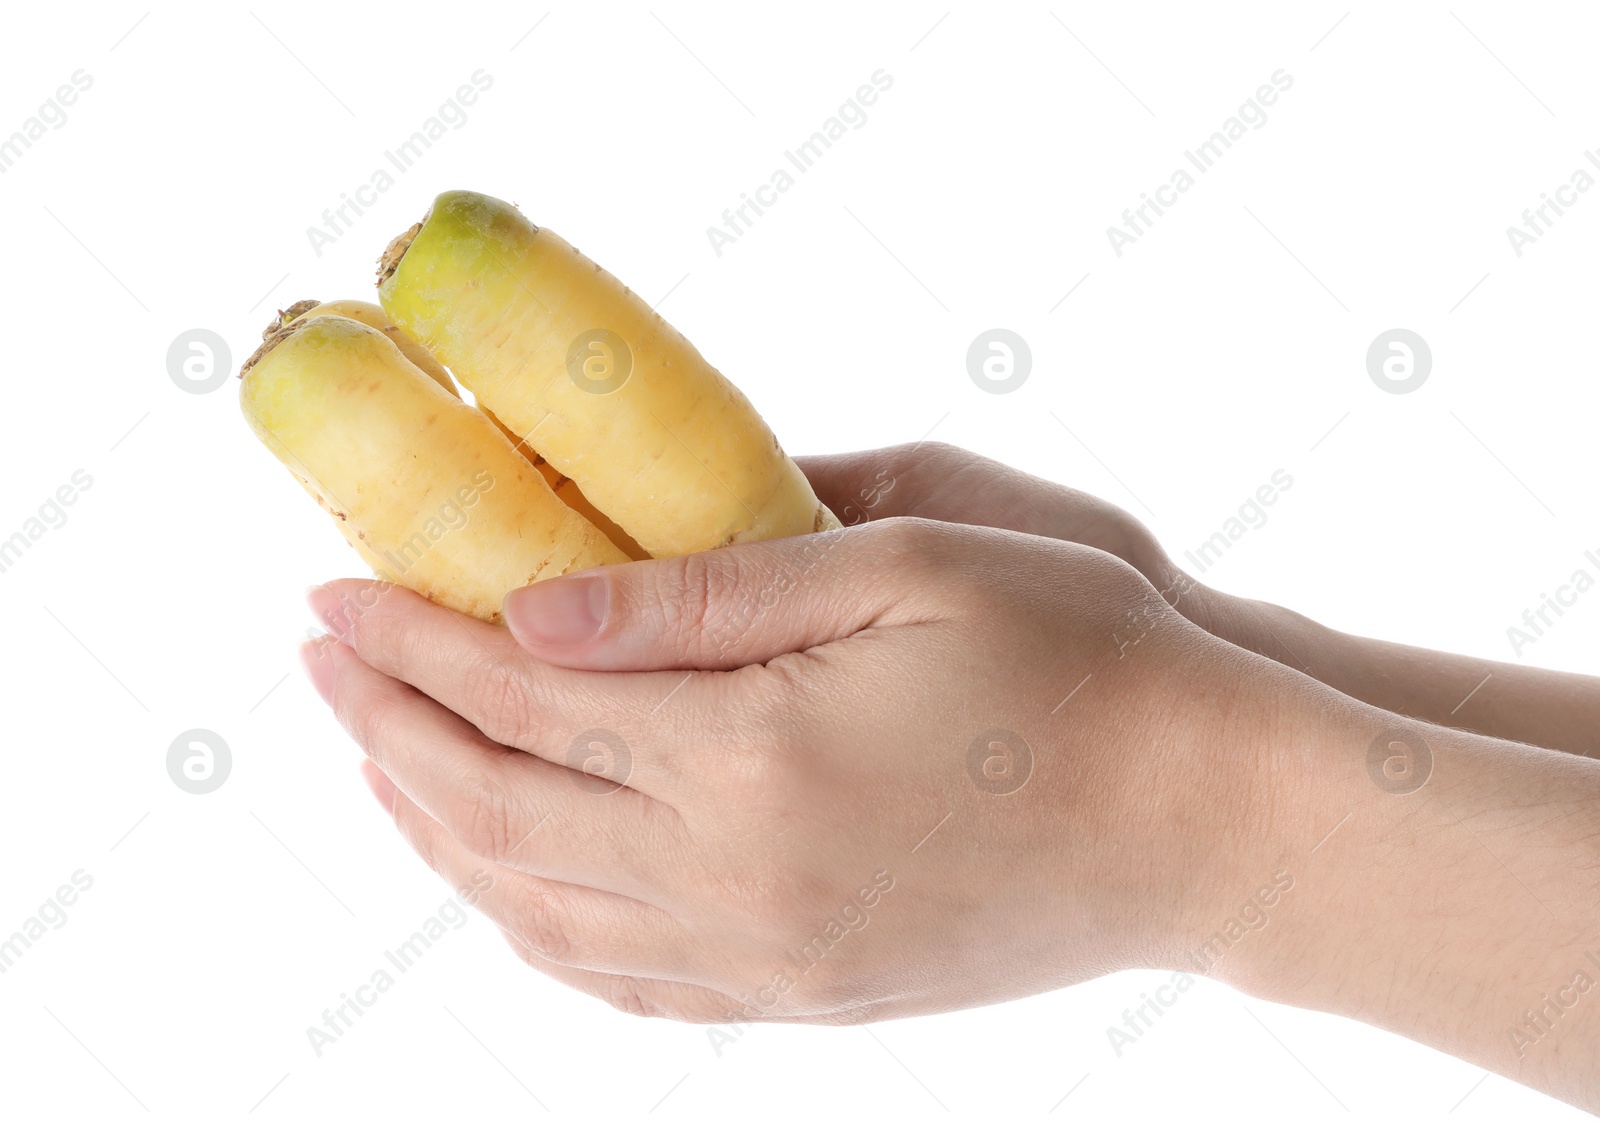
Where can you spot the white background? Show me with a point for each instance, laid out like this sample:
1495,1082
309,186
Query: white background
1227,343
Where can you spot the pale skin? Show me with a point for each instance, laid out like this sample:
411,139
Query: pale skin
986,742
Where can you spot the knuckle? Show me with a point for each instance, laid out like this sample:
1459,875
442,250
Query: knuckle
938,452
909,538
482,817
909,546
502,703
627,994
546,927
690,597
375,628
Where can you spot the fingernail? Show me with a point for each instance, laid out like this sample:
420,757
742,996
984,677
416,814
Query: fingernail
380,784
317,658
557,611
328,607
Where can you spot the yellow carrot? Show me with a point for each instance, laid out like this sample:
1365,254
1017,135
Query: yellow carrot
426,483
573,362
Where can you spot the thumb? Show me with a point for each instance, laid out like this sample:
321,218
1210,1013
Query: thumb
723,608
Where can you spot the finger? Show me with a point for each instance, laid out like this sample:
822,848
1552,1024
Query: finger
507,807
932,480
740,604
479,671
561,923
883,483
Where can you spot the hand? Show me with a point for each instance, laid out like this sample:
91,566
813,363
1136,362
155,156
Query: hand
798,822
932,480
884,771
1511,701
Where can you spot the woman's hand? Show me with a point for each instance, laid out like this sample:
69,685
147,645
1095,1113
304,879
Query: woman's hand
931,480
889,770
1506,700
911,766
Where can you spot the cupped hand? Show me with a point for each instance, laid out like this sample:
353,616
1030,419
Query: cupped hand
894,769
932,480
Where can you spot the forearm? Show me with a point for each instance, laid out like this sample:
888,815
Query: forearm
1461,914
1557,710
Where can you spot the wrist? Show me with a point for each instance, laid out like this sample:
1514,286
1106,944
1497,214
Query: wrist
1316,762
1266,798
1223,814
1441,889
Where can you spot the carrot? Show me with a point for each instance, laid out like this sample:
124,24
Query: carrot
609,393
433,493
